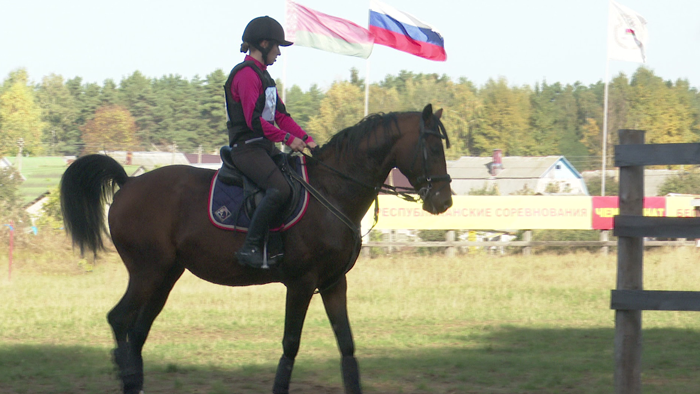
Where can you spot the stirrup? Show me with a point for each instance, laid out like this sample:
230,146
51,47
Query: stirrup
251,257
256,258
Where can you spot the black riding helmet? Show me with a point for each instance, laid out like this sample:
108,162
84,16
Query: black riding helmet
264,28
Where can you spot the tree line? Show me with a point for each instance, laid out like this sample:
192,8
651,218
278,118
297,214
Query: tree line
72,117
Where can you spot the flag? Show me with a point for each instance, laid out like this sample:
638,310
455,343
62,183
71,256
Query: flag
404,32
627,34
314,29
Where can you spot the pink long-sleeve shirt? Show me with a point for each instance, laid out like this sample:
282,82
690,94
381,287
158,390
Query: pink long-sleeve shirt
246,89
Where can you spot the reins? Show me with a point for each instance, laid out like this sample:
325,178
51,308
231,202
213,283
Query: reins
404,193
384,188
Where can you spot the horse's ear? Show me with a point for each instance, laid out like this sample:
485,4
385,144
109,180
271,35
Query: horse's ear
438,114
427,113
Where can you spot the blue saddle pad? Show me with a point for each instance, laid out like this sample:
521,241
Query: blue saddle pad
227,210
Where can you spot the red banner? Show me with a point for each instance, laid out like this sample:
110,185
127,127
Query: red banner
604,208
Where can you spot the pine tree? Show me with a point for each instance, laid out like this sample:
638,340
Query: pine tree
136,94
302,106
59,113
213,112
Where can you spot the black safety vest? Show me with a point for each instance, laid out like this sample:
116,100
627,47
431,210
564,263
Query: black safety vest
265,107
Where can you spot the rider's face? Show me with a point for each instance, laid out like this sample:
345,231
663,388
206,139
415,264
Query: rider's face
274,52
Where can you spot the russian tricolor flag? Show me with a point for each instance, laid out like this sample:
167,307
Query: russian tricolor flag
404,32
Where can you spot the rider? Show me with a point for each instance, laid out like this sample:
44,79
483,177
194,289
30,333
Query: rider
253,107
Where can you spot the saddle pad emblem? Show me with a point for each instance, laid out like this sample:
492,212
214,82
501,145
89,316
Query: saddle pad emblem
222,213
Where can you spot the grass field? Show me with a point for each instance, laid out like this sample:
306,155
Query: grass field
43,174
483,324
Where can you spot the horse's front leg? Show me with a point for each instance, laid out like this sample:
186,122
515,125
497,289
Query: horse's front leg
299,293
335,302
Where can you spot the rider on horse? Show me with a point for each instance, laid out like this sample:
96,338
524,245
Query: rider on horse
253,107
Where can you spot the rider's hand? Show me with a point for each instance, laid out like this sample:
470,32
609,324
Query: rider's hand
297,145
311,145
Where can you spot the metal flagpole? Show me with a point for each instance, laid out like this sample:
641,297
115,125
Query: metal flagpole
605,125
605,105
284,58
367,89
284,79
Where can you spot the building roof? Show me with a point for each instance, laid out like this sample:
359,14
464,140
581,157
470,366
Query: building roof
653,178
514,167
5,163
194,158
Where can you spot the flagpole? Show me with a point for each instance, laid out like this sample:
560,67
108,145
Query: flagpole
367,72
284,58
605,105
367,89
605,124
284,79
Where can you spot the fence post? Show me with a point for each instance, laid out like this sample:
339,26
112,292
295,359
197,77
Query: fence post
450,237
366,252
630,255
527,237
12,244
389,237
604,237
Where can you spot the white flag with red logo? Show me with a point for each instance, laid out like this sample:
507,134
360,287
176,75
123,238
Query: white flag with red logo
627,34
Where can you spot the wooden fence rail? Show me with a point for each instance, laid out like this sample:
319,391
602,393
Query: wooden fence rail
526,245
521,244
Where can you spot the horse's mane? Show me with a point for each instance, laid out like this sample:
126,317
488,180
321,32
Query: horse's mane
348,139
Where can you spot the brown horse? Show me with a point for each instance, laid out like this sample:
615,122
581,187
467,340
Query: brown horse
159,225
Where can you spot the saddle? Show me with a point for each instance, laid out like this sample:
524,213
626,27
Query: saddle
252,194
233,197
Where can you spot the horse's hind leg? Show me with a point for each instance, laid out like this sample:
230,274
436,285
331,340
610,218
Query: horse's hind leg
335,302
131,320
298,297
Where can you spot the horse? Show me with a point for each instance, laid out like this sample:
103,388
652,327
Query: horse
159,225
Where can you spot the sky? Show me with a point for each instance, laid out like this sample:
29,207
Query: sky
525,42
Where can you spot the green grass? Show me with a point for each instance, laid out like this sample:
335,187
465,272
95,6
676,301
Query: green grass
43,174
484,324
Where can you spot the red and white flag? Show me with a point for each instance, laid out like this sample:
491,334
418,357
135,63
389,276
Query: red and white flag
627,34
310,28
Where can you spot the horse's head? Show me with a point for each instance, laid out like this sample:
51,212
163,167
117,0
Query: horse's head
420,156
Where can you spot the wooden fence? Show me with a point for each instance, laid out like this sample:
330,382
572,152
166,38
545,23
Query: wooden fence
526,244
629,299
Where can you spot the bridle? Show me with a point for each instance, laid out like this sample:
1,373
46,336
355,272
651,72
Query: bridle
399,191
429,179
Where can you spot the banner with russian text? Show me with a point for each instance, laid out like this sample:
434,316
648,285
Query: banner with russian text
681,206
486,213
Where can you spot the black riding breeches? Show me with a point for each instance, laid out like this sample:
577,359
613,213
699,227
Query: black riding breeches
255,162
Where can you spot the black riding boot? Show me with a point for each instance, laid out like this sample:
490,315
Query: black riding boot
251,253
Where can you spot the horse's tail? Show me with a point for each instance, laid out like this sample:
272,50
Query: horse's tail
86,186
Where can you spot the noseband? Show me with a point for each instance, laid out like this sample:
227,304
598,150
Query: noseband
426,178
